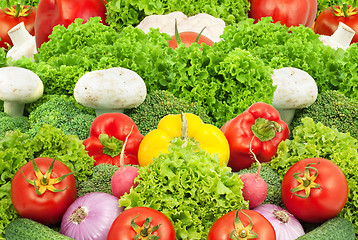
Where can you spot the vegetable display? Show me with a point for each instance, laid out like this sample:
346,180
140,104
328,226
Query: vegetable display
141,223
258,130
42,190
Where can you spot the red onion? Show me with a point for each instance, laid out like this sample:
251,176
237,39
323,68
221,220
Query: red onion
286,226
91,216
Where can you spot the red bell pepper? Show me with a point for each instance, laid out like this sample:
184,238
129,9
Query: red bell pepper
257,130
63,12
109,133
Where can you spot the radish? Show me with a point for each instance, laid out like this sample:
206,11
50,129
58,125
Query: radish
123,179
255,188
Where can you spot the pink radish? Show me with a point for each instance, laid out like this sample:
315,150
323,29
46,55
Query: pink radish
255,188
123,179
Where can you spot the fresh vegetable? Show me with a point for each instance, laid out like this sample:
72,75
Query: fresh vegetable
99,181
242,224
213,27
123,180
289,13
17,87
10,16
314,190
24,44
316,140
272,180
90,216
63,12
333,109
189,186
95,90
42,190
24,228
328,20
210,138
142,223
335,228
286,226
296,89
9,124
61,112
106,139
157,105
121,14
258,131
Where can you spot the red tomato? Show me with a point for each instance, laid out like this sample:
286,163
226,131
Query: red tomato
188,38
48,207
226,224
63,12
288,12
314,190
327,23
122,228
8,20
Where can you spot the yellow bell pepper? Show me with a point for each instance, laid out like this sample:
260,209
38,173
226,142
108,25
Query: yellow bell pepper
210,138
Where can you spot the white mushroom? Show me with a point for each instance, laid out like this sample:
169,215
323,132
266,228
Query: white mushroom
18,86
23,43
296,89
214,27
341,38
110,90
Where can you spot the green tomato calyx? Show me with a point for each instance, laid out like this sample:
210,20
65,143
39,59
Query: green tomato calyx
145,232
343,11
306,182
241,232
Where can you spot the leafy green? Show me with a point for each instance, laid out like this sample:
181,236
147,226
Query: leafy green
312,139
17,148
123,13
187,185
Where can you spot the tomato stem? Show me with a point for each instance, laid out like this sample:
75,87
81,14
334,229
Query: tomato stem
242,232
306,182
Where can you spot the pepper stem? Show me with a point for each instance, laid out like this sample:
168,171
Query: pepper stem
111,145
265,129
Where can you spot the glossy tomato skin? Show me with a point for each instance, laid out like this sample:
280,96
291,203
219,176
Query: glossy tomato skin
63,12
188,38
50,206
323,203
222,227
122,229
288,12
326,23
7,22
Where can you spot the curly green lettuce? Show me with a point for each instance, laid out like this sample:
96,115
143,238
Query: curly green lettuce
187,185
312,139
124,13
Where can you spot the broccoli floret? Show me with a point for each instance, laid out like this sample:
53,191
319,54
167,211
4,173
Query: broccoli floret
158,104
99,181
8,124
333,109
61,113
272,180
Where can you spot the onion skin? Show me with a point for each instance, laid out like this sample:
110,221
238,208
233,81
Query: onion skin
286,226
90,217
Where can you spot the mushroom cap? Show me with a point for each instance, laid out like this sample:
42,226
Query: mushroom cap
19,85
113,89
296,89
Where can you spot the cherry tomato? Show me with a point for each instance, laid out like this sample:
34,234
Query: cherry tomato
240,221
42,203
188,38
314,190
288,12
10,17
327,23
147,222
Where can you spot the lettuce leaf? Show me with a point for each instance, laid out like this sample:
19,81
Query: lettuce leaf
189,187
312,139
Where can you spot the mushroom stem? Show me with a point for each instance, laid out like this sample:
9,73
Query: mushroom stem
19,35
14,109
101,111
343,35
287,115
